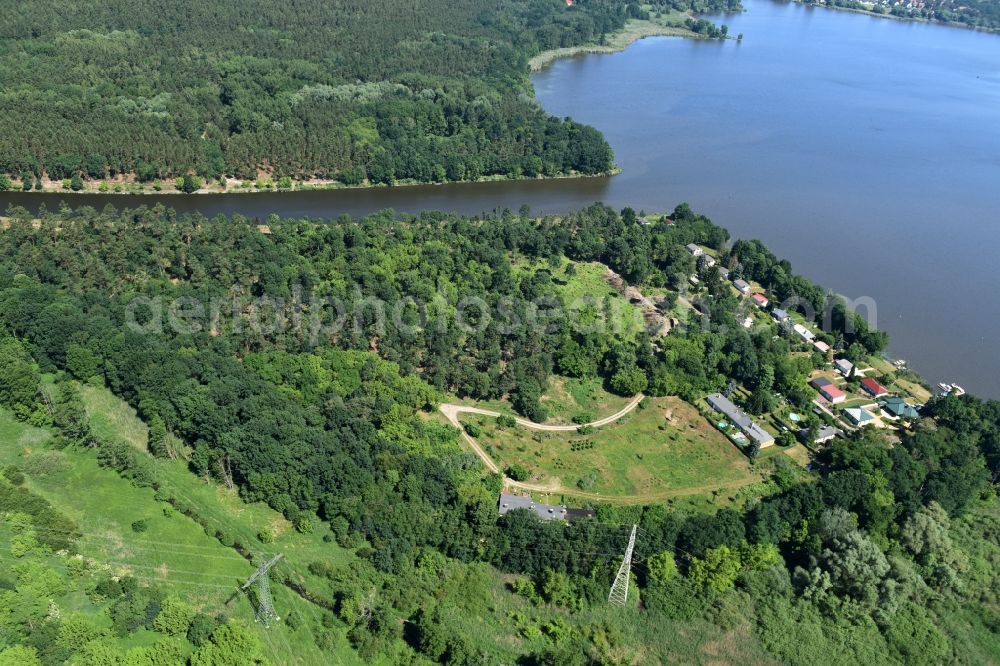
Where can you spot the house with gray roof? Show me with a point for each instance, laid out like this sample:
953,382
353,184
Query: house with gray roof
843,366
740,419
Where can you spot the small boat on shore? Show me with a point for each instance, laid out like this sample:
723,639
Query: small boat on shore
945,388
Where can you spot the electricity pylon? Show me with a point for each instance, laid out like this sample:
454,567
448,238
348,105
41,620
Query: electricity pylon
265,604
619,589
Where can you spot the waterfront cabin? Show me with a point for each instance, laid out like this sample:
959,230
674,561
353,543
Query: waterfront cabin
760,300
873,388
896,407
742,286
779,315
694,250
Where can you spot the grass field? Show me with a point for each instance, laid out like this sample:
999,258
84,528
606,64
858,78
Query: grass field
174,552
584,399
665,447
564,399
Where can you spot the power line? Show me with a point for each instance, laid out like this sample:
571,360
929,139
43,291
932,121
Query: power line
140,543
619,589
265,603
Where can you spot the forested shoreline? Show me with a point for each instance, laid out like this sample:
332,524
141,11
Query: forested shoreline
365,93
884,547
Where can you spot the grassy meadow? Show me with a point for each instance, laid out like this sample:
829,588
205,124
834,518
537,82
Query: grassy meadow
173,551
664,448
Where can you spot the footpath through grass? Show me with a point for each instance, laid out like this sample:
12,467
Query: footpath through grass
664,447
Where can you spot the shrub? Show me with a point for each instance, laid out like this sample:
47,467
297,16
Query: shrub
506,421
517,472
13,474
140,526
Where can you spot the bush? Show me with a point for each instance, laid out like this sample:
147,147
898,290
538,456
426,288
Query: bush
189,184
13,474
587,481
517,472
140,526
200,629
473,430
506,421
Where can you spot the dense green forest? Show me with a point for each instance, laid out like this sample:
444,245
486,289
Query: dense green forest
357,91
885,553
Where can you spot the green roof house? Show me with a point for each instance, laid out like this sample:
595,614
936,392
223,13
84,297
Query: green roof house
896,407
858,416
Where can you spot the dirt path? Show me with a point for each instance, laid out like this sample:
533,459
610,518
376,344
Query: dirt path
451,412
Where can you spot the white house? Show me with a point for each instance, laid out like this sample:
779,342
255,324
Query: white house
843,366
695,250
804,333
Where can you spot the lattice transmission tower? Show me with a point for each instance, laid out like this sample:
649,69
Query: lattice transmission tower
619,589
265,603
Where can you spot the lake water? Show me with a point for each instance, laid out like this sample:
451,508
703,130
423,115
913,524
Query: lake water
864,150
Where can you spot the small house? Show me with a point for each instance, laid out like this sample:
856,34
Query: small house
825,434
898,408
843,366
706,260
740,419
804,333
779,315
859,417
873,388
829,390
742,286
722,272
760,300
695,250
821,346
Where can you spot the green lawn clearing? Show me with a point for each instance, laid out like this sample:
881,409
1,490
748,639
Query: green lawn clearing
665,447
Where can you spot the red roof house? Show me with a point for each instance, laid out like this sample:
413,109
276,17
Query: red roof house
760,300
828,390
873,388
